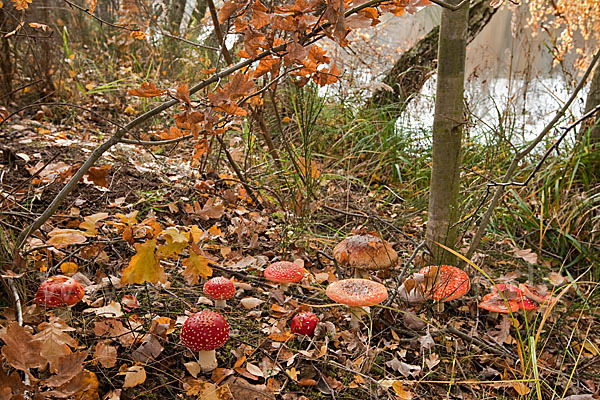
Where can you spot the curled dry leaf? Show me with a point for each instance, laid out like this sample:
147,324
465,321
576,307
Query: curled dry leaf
61,238
251,302
134,376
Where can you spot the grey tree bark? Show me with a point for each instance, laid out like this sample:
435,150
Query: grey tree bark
448,124
592,100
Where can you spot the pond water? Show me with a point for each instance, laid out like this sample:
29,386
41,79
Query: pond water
511,82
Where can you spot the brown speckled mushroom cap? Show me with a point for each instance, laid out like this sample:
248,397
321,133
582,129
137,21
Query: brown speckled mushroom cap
365,252
446,282
356,292
284,272
204,330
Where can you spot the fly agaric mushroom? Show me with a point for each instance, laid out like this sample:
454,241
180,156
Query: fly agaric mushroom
59,290
284,273
444,283
204,332
304,323
365,252
220,290
356,293
506,299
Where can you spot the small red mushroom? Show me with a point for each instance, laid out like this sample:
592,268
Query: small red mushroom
304,323
284,273
445,283
59,290
356,293
204,332
220,290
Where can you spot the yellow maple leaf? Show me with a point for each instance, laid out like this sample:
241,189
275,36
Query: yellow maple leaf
196,266
144,266
21,4
175,242
89,223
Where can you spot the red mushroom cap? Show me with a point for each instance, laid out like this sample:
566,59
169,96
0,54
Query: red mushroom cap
495,303
304,323
445,282
356,292
505,297
204,330
219,288
284,272
59,290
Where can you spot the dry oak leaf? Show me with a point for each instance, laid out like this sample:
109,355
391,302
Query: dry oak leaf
22,351
97,175
61,238
147,89
226,11
69,366
210,210
175,242
135,375
144,266
196,267
105,354
56,342
21,4
111,310
82,387
401,391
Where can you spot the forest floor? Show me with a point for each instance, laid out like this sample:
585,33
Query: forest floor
126,337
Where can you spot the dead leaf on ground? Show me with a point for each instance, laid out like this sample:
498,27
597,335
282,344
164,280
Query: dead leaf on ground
22,351
105,354
135,375
144,266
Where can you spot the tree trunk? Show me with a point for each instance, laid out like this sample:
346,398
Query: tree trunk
593,99
448,123
414,67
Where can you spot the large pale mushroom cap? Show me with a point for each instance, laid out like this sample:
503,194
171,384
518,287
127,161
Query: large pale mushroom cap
365,252
356,292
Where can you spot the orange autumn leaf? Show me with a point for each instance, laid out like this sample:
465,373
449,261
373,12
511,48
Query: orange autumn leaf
144,266
139,35
97,175
196,267
147,89
21,4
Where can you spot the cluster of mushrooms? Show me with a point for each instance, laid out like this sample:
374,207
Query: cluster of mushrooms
208,330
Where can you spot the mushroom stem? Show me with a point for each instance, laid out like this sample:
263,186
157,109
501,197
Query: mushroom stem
284,286
207,360
355,316
220,303
438,307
